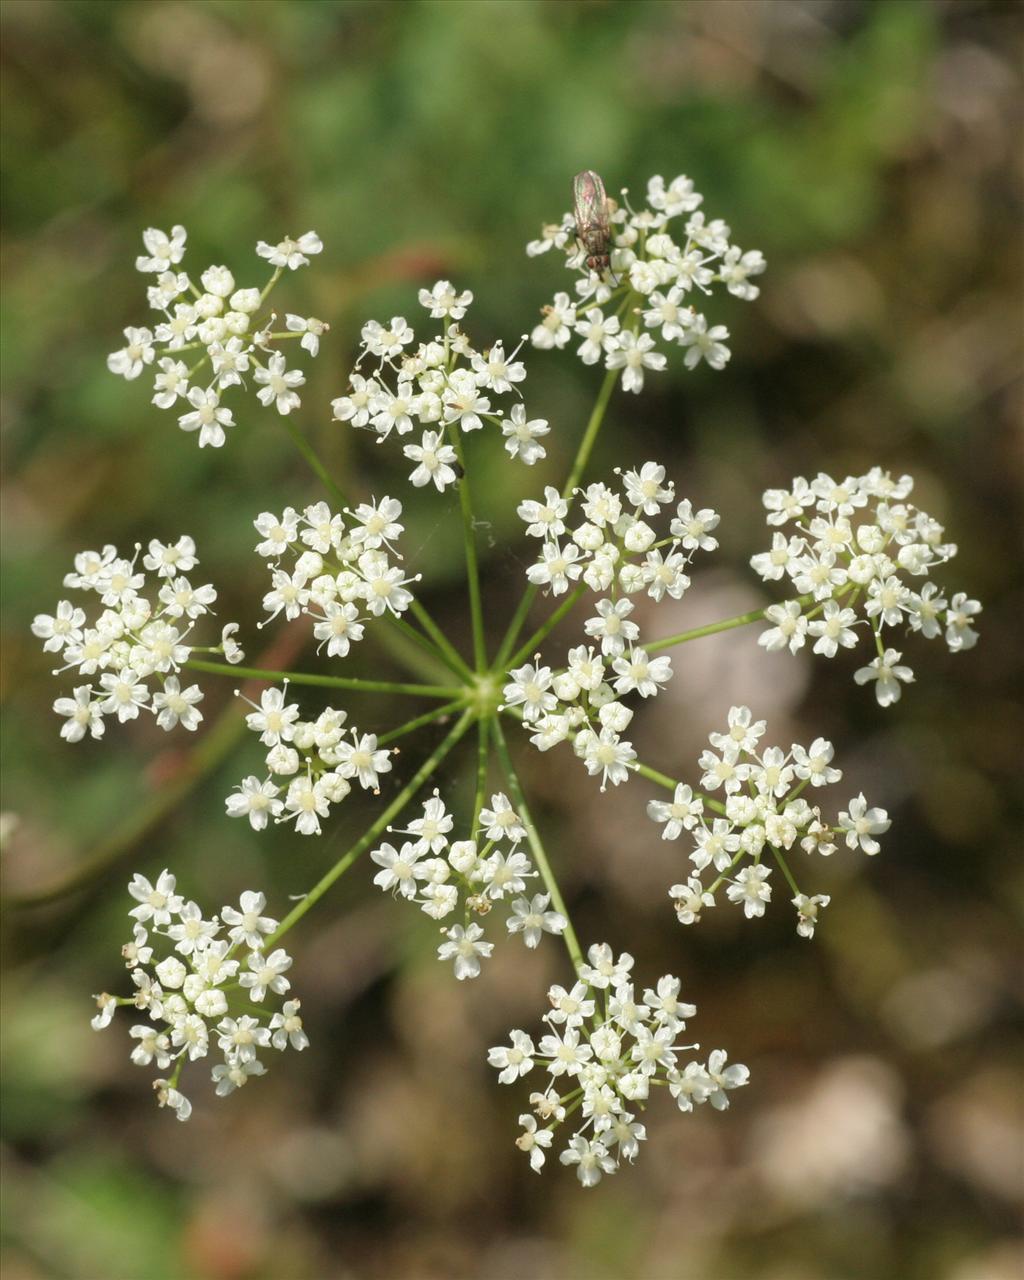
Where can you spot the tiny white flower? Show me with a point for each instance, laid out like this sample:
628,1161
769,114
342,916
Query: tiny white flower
591,1159
603,970
291,253
312,331
514,1060
693,529
790,629
751,887
435,461
556,328
175,705
705,344
960,634
690,900
724,1078
266,974
84,715
162,250
277,384
834,629
530,688
612,626
443,302
248,924
534,1140
522,436
208,417
888,675
807,912
286,1027
682,813
168,1096
531,918
399,868
107,1006
814,763
862,824
229,1076
500,821
129,362
256,801
633,355
463,946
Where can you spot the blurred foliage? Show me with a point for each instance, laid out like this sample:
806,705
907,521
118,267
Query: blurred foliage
868,149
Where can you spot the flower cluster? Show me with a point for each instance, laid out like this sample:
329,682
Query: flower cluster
439,876
616,552
336,568
222,327
321,757
139,636
444,385
206,967
854,554
859,542
763,809
603,1050
648,293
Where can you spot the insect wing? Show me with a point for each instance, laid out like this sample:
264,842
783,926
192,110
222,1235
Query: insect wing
590,205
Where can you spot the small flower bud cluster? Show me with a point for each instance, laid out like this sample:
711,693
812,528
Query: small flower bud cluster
858,541
443,385
651,286
335,567
218,325
440,876
139,637
207,966
603,1050
615,551
763,809
320,756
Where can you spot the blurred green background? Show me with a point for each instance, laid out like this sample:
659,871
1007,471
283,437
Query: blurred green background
872,151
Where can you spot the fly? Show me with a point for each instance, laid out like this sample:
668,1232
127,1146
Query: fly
593,224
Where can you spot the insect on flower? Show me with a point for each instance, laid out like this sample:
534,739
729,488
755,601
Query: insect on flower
593,227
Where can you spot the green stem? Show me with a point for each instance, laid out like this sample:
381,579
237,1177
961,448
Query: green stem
777,854
428,717
369,836
412,650
545,628
539,856
713,628
450,655
472,568
482,759
313,459
713,888
422,643
590,434
352,683
579,462
797,790
270,284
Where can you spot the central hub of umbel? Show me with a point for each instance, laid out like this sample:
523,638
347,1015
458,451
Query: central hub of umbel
485,694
